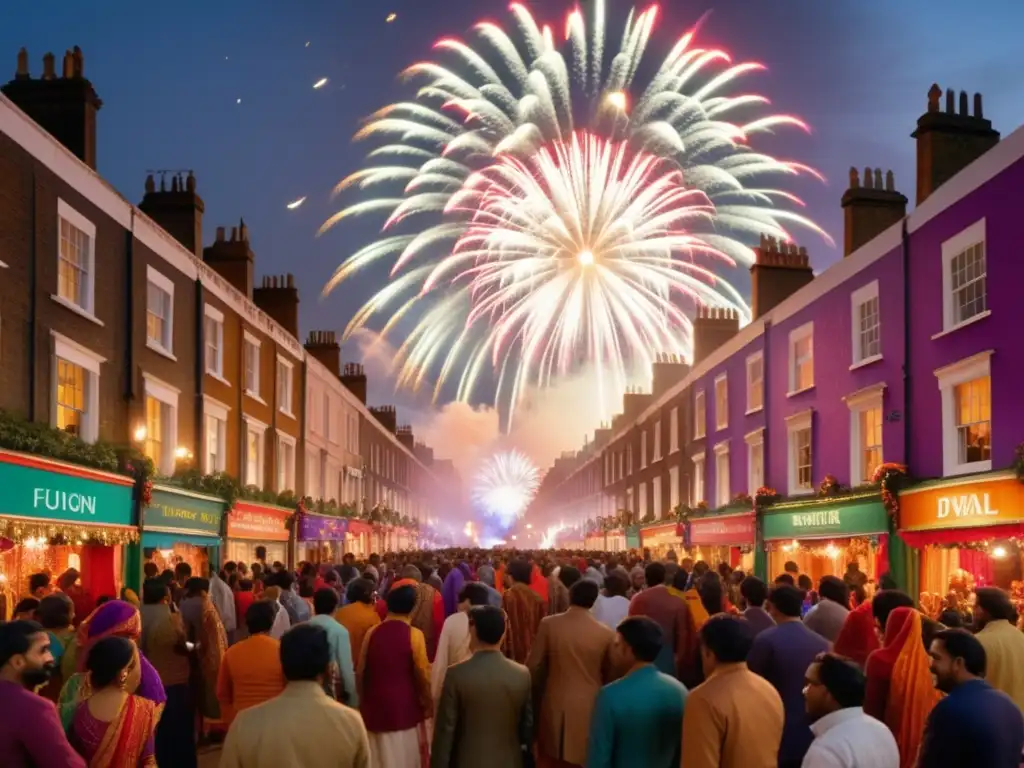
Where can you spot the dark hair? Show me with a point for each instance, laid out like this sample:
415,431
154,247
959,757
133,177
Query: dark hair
961,644
787,600
842,678
996,603
360,591
150,569
259,617
616,584
569,575
325,601
16,638
520,570
55,611
680,579
951,619
644,637
790,567
107,659
887,581
154,591
166,576
489,622
785,578
583,594
475,592
284,580
195,585
711,593
654,574
230,566
38,581
26,605
305,652
835,589
804,582
727,637
261,552
182,570
306,587
754,591
245,585
402,601
886,601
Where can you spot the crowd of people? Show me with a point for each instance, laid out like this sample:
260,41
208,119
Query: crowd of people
458,659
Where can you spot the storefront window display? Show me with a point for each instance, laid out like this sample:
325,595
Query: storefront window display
357,538
823,537
615,540
253,525
182,526
320,539
723,539
57,516
659,539
964,533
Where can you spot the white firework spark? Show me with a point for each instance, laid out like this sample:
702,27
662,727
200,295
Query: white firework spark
505,485
529,234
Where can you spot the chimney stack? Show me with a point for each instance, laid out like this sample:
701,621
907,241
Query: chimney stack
232,259
354,378
323,345
870,206
385,414
64,106
279,298
179,210
666,371
949,140
780,269
634,401
712,327
405,437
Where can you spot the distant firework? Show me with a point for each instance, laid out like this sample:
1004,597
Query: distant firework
505,485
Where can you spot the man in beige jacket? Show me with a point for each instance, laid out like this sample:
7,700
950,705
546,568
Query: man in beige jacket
302,726
569,662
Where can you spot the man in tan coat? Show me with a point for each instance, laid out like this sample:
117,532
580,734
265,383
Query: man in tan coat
570,661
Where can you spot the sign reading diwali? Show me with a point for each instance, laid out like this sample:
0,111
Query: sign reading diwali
181,510
847,520
257,523
722,531
317,528
993,500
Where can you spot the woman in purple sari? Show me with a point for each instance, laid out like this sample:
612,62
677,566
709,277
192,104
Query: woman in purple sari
453,584
115,618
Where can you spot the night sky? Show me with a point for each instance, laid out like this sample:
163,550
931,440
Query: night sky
171,75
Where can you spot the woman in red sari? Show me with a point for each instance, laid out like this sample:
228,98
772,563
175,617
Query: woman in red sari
113,727
858,638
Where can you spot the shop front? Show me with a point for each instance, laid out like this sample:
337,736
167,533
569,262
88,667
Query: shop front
594,541
963,533
723,539
180,526
320,539
659,539
56,516
251,526
358,539
615,540
823,537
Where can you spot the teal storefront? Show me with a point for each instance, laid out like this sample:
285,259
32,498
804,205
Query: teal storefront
823,536
56,516
182,526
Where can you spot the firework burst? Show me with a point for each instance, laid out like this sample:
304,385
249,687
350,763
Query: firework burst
505,485
548,211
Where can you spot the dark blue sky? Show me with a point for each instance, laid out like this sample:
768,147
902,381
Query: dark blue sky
170,75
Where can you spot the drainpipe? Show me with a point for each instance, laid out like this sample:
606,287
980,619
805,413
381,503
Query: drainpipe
902,559
129,303
760,553
33,310
200,374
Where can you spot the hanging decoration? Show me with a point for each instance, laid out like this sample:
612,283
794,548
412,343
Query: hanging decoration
830,486
765,497
891,477
30,531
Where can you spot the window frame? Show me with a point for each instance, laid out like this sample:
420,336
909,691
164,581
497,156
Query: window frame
161,282
797,335
699,484
722,494
860,402
254,427
949,377
972,235
858,299
63,348
77,220
213,314
284,439
756,357
290,383
722,380
249,339
673,430
656,440
167,395
643,449
755,443
700,415
795,424
214,409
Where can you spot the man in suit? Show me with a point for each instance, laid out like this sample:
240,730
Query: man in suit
303,725
570,661
484,715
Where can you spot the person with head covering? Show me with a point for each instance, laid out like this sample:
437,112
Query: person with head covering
115,618
858,637
429,614
114,726
453,584
899,683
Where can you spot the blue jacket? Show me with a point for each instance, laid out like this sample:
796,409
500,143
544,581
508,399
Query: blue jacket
974,726
638,721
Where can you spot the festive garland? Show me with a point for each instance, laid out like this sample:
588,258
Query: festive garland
891,477
765,496
830,486
20,531
1018,462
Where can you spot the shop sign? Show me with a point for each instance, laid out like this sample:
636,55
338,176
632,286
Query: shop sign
993,500
184,511
48,491
661,534
819,521
257,523
633,537
318,528
358,527
722,531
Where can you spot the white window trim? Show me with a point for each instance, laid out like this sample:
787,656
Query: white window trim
249,338
952,248
796,335
863,294
291,386
168,395
719,424
643,449
89,361
722,449
751,359
257,427
673,430
77,220
754,441
949,377
794,424
164,284
219,411
286,439
656,441
699,473
862,400
209,311
700,426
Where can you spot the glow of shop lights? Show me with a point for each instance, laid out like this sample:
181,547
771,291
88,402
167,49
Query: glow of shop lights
999,552
140,434
832,551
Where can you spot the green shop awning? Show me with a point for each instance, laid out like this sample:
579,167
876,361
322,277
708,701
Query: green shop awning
165,540
173,509
825,519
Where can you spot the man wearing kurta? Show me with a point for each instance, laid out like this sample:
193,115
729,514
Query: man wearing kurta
251,673
678,655
428,615
734,719
524,609
1002,641
342,683
638,720
569,662
394,687
358,615
303,726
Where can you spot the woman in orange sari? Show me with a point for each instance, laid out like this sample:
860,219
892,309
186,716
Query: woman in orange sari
113,727
900,691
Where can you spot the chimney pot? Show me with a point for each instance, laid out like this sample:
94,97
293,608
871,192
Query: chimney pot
234,234
78,61
174,184
890,182
220,234
68,65
934,94
878,178
190,183
963,104
22,72
150,184
868,178
48,62
950,101
854,180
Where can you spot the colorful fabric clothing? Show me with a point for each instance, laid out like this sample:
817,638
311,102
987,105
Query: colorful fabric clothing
1004,654
124,742
249,674
524,609
975,725
678,656
163,643
427,615
539,584
212,645
453,584
409,748
358,619
453,648
344,688
858,638
394,677
31,734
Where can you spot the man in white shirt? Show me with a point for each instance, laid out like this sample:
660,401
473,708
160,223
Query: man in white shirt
613,606
844,737
453,645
